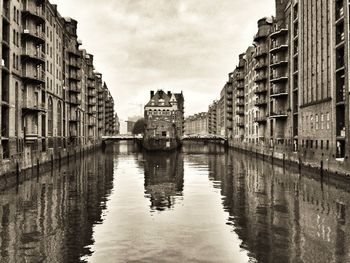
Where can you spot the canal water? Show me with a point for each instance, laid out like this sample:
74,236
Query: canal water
200,205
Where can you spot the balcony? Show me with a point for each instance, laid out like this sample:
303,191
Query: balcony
240,112
260,78
240,65
240,124
260,119
240,77
260,89
75,101
91,93
74,76
279,114
35,56
36,35
36,14
260,66
279,91
229,103
278,78
260,35
74,63
278,33
74,53
92,110
260,102
34,77
30,107
278,64
92,102
240,94
74,89
260,53
240,103
279,48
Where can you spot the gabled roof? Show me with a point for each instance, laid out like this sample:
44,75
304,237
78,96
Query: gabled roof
160,99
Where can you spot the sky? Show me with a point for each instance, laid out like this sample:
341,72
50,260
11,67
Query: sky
177,45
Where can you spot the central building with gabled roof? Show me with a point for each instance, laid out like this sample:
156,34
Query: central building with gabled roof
164,116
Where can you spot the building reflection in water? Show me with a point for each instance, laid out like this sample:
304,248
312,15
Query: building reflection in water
282,216
164,178
50,219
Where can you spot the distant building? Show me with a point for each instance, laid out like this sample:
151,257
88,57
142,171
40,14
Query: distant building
117,124
197,124
130,123
212,118
164,114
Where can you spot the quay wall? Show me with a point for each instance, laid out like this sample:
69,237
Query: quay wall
307,161
29,159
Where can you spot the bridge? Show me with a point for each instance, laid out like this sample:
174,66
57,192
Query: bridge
204,138
122,137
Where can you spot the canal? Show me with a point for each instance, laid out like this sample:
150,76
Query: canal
200,205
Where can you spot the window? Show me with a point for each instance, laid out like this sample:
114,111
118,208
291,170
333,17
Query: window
322,120
59,119
328,120
316,120
50,117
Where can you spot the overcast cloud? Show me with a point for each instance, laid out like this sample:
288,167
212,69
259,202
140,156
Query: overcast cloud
176,45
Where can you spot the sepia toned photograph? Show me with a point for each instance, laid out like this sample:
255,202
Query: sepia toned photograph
170,131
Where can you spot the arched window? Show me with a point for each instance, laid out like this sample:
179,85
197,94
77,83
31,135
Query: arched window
50,117
59,119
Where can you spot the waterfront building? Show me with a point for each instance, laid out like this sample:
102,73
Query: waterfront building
238,77
251,127
48,87
164,115
197,124
212,118
298,71
117,124
262,90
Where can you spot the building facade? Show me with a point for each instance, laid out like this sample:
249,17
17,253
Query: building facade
48,86
289,91
164,115
197,124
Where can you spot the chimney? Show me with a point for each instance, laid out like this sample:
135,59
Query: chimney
152,94
169,93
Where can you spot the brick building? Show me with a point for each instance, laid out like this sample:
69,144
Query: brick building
197,124
48,86
164,115
297,75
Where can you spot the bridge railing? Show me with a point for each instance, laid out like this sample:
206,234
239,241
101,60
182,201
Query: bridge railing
203,137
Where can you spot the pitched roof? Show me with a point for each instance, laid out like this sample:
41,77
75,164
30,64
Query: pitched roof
160,99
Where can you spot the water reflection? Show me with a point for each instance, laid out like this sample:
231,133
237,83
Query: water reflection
164,178
221,207
281,216
50,219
